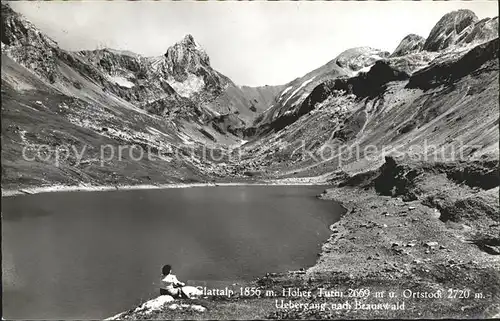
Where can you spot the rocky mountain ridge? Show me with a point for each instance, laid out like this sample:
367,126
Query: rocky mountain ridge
410,44
178,100
179,82
460,27
453,36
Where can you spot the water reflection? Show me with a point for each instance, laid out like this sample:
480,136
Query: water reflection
91,255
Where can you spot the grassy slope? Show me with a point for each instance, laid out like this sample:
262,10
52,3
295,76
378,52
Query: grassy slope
45,116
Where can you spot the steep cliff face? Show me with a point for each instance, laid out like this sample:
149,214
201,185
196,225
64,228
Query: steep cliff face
448,29
482,31
18,31
27,44
186,56
189,67
461,27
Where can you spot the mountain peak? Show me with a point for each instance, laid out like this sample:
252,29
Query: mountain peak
413,37
448,29
6,9
359,57
187,44
17,30
188,40
410,44
186,56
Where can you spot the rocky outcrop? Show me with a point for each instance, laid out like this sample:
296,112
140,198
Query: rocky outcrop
118,63
17,31
158,305
461,27
27,45
393,178
398,177
448,71
371,83
483,30
186,57
187,54
360,57
410,44
448,29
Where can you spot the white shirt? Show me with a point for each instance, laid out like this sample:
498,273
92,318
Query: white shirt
169,281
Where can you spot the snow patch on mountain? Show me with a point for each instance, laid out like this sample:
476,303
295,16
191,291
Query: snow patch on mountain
155,131
185,138
364,69
187,88
297,90
268,109
285,91
301,99
359,57
122,81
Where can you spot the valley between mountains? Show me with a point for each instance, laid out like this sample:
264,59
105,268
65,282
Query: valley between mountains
408,142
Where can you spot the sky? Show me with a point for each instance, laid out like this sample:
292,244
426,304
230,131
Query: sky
254,43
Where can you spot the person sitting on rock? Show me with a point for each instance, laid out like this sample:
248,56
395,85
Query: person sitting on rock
169,283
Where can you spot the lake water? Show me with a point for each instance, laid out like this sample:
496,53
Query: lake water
90,255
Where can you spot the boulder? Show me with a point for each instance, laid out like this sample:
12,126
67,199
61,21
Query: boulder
431,244
410,44
154,304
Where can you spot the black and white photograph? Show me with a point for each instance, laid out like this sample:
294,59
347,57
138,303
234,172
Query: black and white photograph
250,160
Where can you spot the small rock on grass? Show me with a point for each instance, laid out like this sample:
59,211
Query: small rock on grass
411,244
154,304
193,307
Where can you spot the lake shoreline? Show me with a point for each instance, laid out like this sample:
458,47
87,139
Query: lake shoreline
294,201
96,188
386,243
